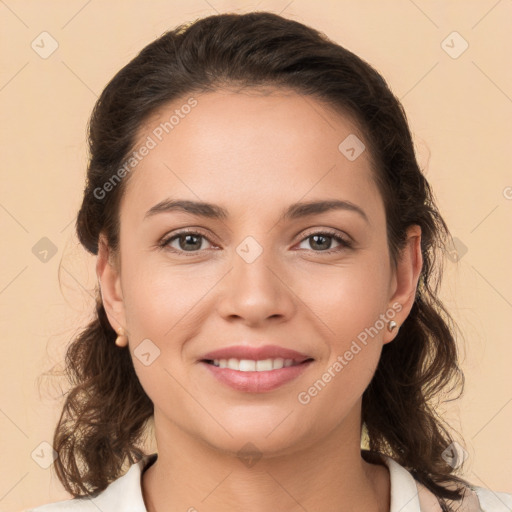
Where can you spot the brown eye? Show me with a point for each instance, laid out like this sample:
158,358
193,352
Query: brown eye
322,242
185,241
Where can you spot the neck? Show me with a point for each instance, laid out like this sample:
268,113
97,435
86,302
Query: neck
328,476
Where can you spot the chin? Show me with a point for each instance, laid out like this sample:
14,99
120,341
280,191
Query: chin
265,436
252,448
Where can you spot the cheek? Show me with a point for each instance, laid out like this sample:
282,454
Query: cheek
162,312
165,305
161,300
353,345
350,298
352,304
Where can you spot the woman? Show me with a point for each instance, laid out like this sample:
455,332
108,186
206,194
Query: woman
266,250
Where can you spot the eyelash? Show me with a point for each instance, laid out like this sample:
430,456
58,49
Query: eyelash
345,243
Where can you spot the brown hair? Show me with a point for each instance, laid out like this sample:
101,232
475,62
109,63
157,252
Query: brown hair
106,411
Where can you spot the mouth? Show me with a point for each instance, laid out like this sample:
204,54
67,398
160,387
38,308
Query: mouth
255,375
255,369
256,365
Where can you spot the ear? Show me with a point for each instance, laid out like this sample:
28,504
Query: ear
107,270
405,279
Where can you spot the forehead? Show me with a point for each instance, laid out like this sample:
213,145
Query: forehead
249,150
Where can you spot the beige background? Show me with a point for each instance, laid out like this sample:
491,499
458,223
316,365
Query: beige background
460,111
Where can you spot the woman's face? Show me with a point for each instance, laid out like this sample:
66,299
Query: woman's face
267,272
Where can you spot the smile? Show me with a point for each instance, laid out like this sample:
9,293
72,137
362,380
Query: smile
255,376
250,365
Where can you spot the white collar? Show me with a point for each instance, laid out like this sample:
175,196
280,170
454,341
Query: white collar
407,495
125,493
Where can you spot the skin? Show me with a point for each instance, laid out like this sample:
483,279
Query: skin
255,154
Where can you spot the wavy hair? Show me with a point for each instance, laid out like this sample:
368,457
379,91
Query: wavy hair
106,411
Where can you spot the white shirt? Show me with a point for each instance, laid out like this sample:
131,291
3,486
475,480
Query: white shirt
407,495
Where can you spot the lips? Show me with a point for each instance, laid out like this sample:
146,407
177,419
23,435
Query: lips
255,353
287,365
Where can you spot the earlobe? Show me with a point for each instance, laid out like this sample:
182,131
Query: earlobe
407,273
110,285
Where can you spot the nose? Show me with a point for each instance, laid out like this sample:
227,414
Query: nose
257,290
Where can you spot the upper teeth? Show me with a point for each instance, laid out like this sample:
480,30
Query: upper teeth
249,365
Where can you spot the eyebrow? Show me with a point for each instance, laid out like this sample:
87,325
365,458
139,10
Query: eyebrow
213,211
